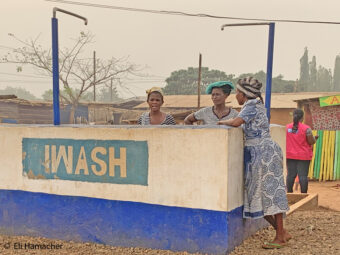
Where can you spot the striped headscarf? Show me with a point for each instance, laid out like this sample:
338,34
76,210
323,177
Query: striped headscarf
251,87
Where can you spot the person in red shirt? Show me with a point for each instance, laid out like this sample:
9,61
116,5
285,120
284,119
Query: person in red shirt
299,141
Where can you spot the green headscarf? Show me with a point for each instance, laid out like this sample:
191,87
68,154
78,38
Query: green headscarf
226,86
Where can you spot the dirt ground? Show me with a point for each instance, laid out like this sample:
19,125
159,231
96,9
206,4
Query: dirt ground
314,232
329,193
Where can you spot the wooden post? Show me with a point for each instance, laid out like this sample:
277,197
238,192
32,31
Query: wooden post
94,76
94,86
111,90
199,82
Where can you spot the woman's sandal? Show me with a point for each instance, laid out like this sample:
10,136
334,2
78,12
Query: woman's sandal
268,245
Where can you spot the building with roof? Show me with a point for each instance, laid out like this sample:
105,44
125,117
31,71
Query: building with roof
321,112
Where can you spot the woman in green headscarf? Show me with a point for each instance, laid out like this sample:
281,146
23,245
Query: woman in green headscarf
219,91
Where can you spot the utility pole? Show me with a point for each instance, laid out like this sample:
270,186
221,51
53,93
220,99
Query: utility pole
199,82
94,76
111,90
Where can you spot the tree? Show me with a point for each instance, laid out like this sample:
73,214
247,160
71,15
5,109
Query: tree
336,76
304,72
184,82
324,79
108,96
19,92
279,85
48,95
313,75
75,67
86,96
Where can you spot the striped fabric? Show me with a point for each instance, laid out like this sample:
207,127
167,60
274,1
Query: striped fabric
144,119
250,86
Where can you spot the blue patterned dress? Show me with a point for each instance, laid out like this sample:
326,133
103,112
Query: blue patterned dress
265,190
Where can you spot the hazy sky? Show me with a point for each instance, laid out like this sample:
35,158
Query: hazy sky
165,43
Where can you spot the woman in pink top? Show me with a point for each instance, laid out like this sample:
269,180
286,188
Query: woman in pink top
299,141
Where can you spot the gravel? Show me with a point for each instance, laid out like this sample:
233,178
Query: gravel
314,232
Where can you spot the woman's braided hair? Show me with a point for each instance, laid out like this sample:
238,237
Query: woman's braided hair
297,117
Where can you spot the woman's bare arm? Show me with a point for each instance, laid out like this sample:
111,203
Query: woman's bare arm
190,119
236,122
311,139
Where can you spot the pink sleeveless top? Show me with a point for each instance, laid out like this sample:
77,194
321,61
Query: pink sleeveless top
297,146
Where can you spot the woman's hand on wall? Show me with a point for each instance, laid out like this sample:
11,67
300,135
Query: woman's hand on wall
232,122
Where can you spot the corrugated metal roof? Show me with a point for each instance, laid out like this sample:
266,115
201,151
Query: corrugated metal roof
316,98
27,102
278,100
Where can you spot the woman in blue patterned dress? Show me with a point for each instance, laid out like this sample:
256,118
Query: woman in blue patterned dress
265,190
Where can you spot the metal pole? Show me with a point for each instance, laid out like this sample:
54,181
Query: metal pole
199,82
55,63
245,24
269,57
269,68
55,10
94,76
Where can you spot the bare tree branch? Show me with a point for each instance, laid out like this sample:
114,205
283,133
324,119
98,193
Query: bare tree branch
76,67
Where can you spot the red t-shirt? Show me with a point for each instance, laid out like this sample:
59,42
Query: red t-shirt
297,146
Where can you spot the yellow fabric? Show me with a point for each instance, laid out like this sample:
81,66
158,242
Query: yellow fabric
154,89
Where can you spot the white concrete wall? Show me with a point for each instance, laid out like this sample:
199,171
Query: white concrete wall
195,168
278,134
235,169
